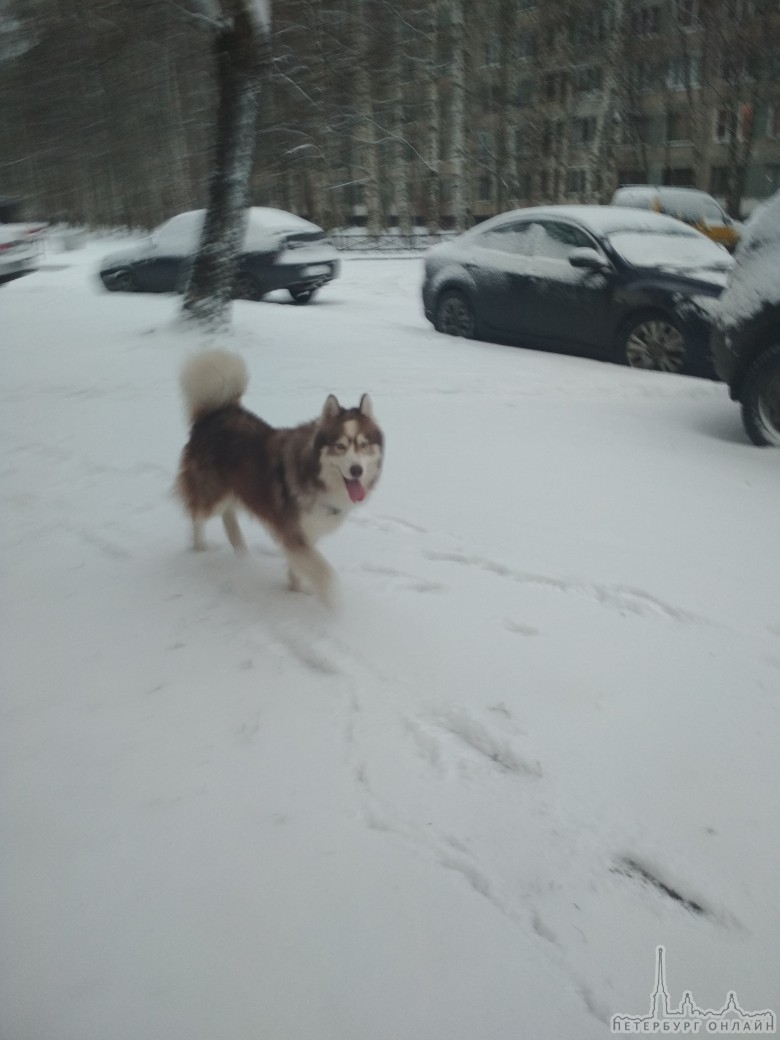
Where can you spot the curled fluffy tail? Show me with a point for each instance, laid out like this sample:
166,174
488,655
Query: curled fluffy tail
211,380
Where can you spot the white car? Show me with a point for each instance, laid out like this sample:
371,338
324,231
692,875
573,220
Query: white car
280,251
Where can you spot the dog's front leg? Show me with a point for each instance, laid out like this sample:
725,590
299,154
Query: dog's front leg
309,567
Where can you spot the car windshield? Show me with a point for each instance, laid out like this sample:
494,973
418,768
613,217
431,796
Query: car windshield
670,250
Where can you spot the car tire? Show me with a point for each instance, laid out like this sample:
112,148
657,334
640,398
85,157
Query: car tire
301,295
652,341
455,315
119,281
760,399
246,288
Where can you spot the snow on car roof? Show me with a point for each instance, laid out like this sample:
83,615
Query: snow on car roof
601,220
182,232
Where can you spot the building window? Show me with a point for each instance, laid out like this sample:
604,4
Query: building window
678,128
582,131
739,10
485,188
520,140
639,129
554,86
719,180
632,177
645,76
646,21
731,122
588,78
552,137
525,47
684,72
679,177
485,145
687,13
773,121
524,92
587,30
490,97
492,52
576,180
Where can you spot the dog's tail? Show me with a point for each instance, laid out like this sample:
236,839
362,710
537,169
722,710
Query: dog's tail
211,380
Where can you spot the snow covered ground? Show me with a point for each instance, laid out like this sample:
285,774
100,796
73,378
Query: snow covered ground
540,740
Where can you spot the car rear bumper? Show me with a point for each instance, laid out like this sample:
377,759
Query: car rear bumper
15,266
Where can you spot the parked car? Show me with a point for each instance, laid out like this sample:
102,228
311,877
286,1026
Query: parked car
599,281
20,249
690,205
746,338
280,251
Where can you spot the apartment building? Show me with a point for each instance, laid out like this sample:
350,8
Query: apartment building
682,92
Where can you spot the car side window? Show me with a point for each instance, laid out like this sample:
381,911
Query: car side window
558,240
516,239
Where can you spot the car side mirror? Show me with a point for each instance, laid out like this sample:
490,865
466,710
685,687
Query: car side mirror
587,258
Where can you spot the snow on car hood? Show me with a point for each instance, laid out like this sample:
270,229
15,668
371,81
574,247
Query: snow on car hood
678,252
754,282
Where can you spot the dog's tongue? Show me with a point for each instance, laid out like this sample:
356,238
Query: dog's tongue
356,490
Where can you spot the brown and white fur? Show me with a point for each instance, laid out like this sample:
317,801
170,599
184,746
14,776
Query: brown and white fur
299,482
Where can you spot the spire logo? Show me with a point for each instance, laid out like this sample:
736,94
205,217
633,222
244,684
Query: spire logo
687,1019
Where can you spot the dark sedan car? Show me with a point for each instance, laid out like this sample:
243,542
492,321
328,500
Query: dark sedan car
746,339
599,281
280,251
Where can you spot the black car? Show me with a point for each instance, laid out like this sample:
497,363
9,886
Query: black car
599,281
746,338
280,251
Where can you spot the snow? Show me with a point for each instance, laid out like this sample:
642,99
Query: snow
602,220
265,227
228,813
694,255
754,282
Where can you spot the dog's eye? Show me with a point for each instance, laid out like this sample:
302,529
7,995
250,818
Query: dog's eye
340,448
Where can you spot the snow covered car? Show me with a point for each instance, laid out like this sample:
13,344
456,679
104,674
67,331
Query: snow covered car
598,281
20,249
690,205
746,338
280,251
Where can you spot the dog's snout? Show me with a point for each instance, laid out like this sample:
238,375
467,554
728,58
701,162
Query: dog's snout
356,471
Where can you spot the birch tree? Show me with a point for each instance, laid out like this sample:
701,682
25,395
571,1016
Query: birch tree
602,164
365,134
240,29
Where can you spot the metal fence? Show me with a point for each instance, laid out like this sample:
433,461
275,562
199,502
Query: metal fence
388,242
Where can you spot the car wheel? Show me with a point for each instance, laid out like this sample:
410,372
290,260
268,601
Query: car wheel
301,295
245,288
760,399
454,315
119,281
652,341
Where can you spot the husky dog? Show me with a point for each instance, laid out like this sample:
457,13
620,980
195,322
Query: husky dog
299,482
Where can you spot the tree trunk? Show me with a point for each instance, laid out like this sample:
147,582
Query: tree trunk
458,128
239,53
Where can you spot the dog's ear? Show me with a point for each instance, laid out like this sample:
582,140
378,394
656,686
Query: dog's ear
366,407
331,408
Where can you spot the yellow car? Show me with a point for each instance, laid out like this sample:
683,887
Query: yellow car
693,207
